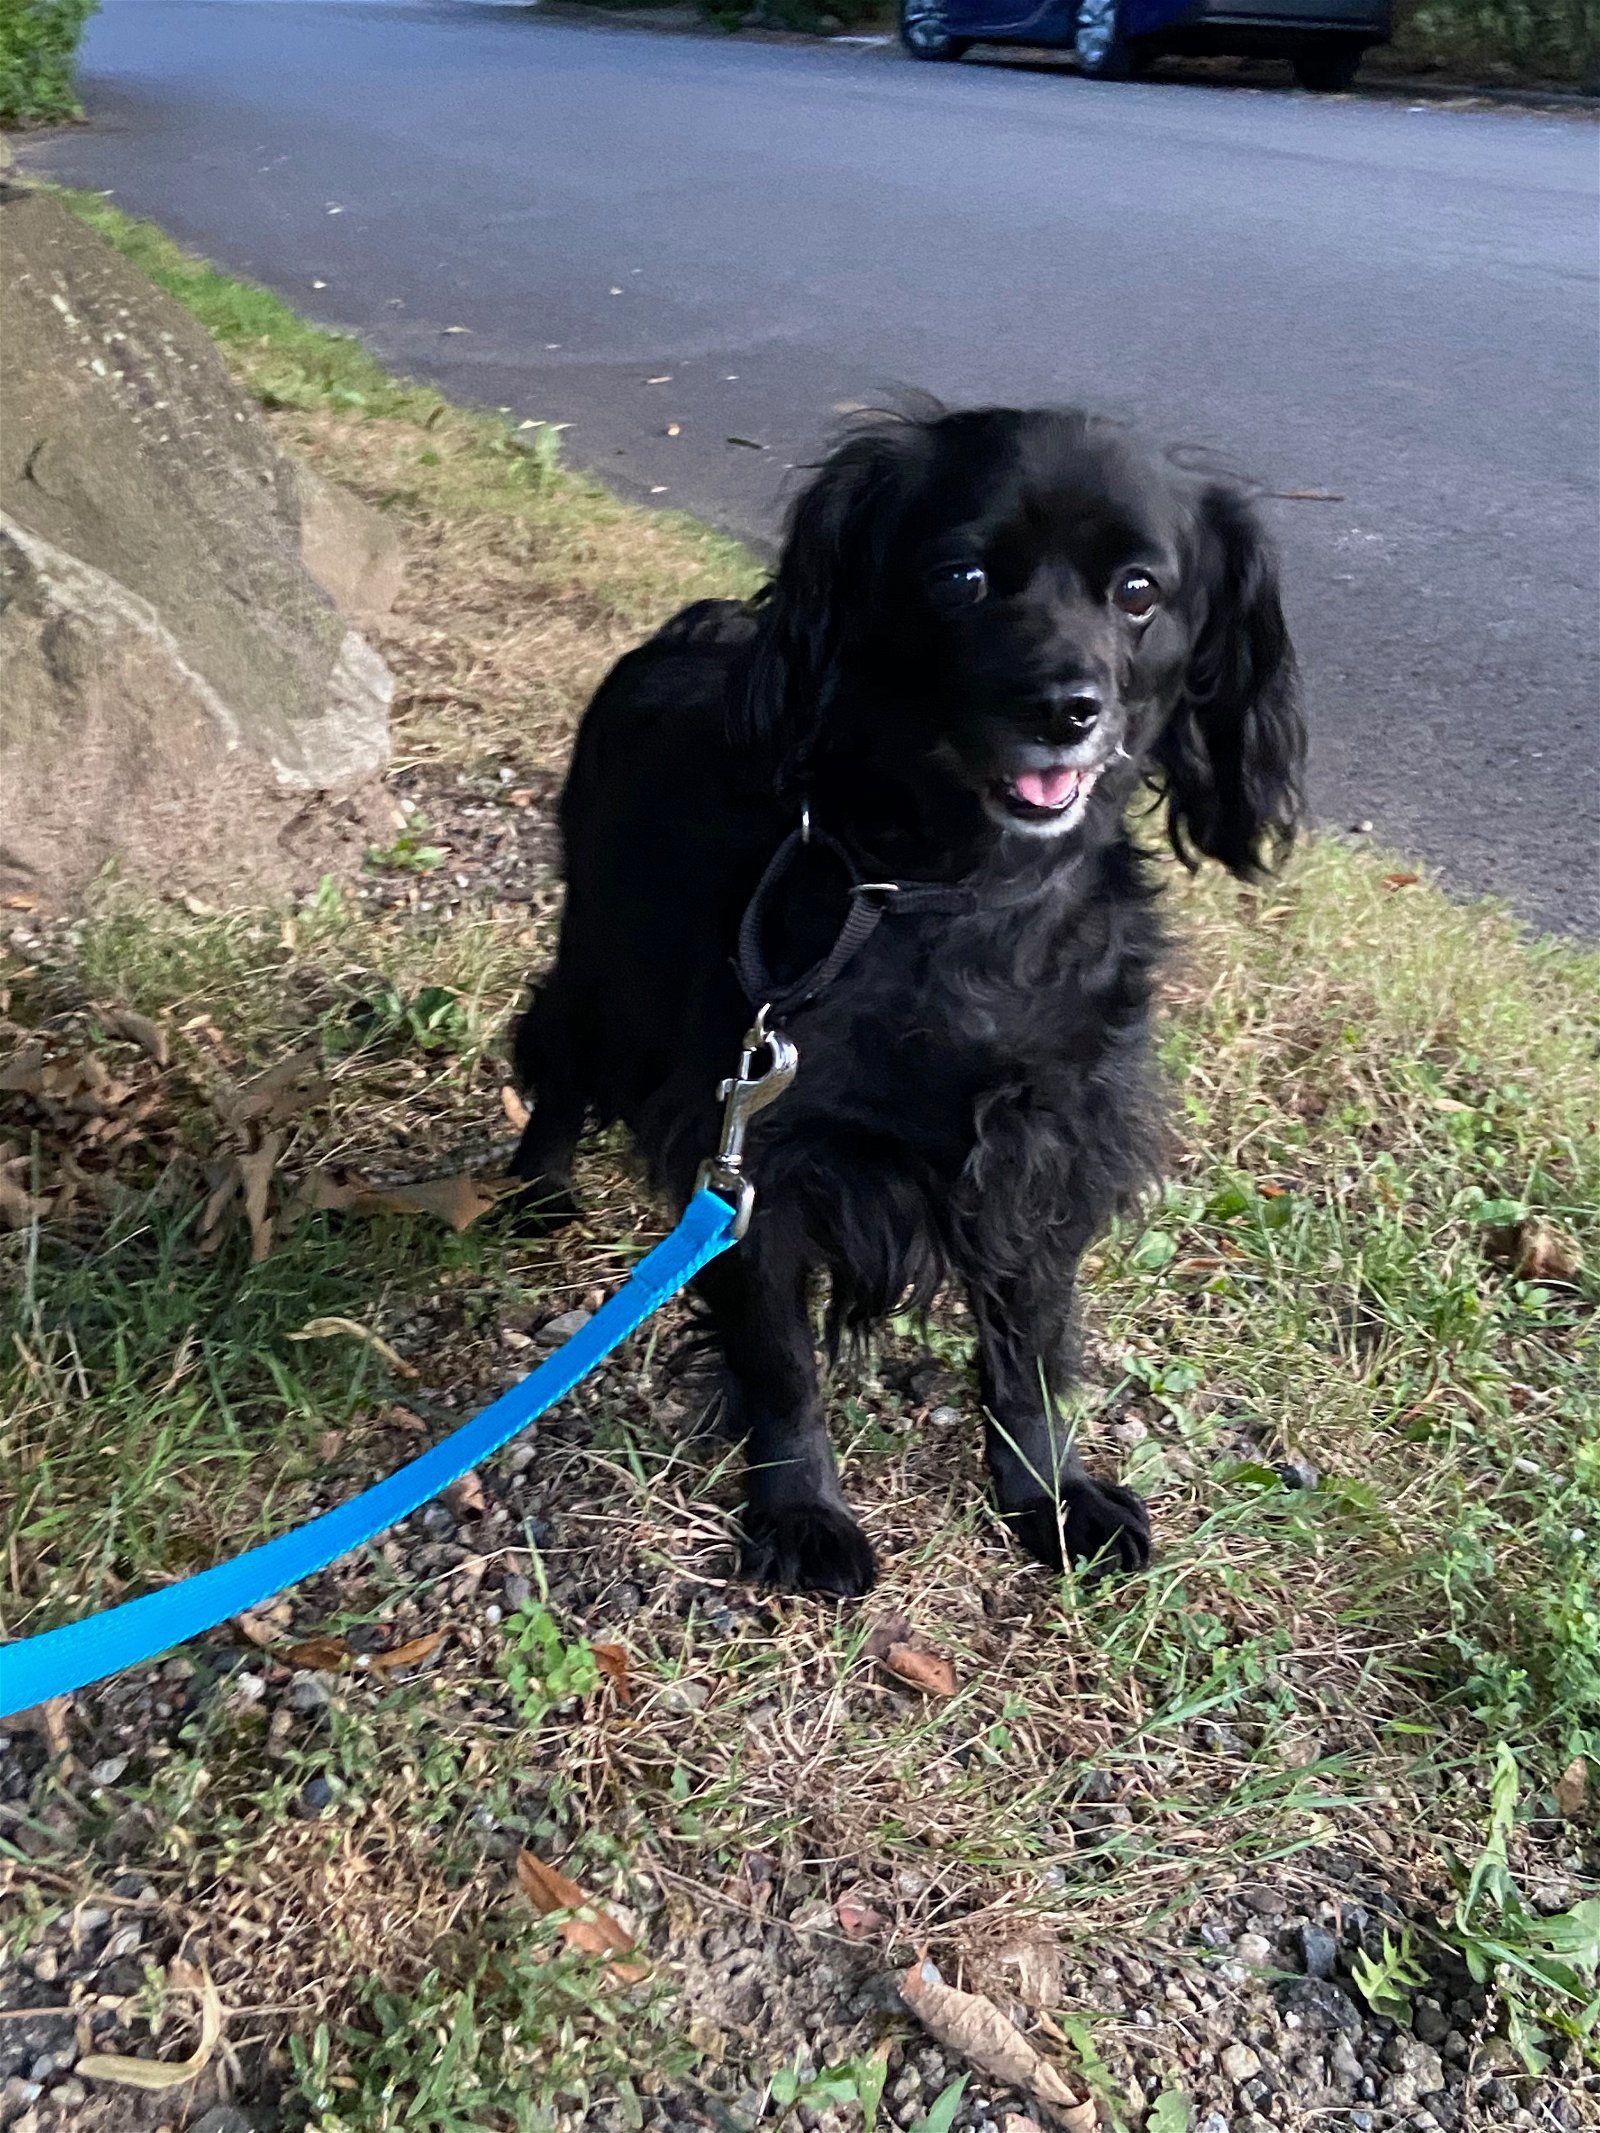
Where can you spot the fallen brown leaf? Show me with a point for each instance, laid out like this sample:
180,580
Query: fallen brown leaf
1401,881
612,1660
20,902
140,1030
1572,1788
411,1653
156,2074
316,1655
588,1928
460,1200
256,1168
277,1094
972,2025
1534,1250
517,1113
263,1626
23,1073
466,1498
326,1329
17,1207
922,1668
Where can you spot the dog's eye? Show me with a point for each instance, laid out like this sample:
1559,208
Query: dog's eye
1137,594
958,584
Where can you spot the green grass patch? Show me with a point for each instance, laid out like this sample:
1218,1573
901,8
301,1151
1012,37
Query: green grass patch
1367,1421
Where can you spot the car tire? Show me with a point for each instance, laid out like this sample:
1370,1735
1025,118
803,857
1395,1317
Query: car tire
923,33
1328,68
1102,51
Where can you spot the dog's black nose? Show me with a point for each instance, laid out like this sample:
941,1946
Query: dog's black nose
1064,708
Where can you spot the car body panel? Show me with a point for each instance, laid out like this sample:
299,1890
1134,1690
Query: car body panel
1184,24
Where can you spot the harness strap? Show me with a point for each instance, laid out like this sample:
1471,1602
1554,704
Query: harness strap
870,903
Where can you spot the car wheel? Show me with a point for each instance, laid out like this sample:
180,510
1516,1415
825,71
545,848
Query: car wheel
1326,68
924,34
1103,53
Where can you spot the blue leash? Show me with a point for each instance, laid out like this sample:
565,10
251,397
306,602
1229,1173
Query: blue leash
61,1660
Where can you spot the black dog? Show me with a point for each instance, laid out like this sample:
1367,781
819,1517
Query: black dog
987,632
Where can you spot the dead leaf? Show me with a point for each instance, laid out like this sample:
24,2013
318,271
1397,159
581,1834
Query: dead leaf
612,1660
411,1653
857,1918
262,1626
589,1929
466,1498
20,902
922,1668
1401,881
516,1110
1533,1250
17,1207
277,1094
23,1073
973,2026
155,2074
326,1329
1572,1788
460,1200
1268,1191
316,1655
226,1184
255,1177
521,796
149,1036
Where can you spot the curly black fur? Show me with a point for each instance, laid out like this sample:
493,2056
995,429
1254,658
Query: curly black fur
949,635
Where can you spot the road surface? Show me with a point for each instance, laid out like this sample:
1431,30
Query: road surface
1393,308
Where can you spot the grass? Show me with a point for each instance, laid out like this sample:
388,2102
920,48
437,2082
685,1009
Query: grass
1378,1684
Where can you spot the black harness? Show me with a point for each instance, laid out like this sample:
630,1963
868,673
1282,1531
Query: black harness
870,904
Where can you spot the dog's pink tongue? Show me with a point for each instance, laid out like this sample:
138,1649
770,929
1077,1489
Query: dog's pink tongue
1047,788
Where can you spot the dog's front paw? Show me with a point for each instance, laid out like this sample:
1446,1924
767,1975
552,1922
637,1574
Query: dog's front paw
808,1548
1096,1523
538,1208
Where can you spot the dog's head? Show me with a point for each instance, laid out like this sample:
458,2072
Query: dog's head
1028,614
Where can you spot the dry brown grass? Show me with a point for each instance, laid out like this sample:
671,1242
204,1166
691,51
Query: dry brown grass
1302,1699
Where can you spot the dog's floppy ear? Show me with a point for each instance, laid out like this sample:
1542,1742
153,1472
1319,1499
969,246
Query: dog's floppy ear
813,614
1232,757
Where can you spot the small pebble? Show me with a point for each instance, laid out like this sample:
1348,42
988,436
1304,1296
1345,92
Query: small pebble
561,1328
108,1772
316,1794
308,1694
1254,1948
1320,1951
944,1417
1240,2063
516,1592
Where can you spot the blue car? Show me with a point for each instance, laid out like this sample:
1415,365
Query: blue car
1323,40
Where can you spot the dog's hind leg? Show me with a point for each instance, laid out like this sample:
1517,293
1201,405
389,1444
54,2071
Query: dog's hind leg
799,1534
1049,1499
550,1061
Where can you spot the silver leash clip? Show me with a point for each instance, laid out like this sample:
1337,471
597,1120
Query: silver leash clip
743,1095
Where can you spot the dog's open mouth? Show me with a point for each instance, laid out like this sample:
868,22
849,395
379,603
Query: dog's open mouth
1055,795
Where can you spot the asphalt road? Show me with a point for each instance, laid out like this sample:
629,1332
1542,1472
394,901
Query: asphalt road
1393,307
